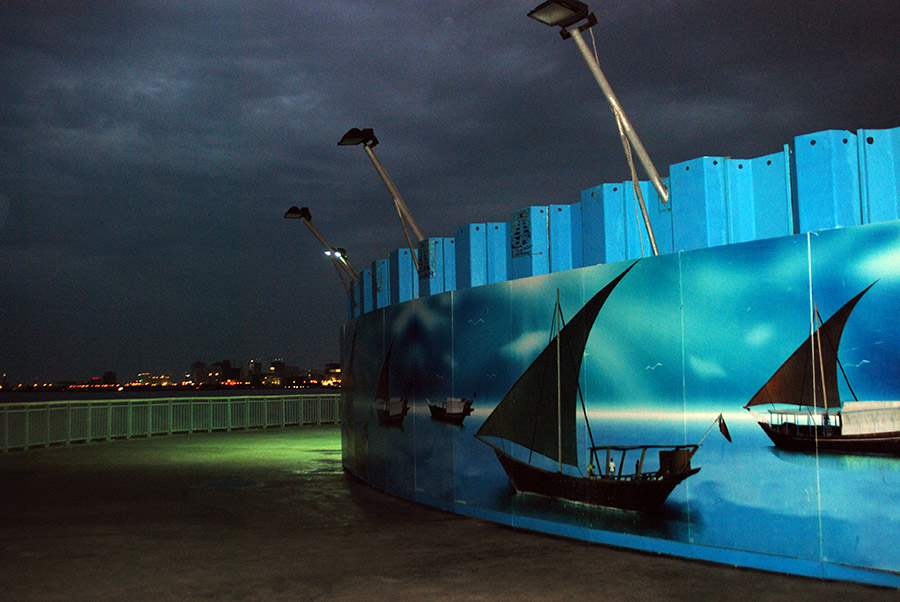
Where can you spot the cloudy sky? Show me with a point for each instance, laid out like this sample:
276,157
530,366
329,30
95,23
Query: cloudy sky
148,150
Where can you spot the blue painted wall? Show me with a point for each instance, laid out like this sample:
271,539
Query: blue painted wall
685,336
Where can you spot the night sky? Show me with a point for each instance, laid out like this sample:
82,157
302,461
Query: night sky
148,150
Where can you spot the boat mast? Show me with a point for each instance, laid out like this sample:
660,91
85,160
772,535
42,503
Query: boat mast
821,360
556,317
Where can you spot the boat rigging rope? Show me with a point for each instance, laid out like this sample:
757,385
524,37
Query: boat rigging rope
840,364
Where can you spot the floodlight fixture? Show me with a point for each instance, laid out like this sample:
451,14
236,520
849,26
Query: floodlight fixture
297,213
338,255
366,138
356,136
566,14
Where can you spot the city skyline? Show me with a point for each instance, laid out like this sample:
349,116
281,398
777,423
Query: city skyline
183,376
151,149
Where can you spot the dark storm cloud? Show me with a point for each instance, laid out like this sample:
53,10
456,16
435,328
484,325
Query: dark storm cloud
149,149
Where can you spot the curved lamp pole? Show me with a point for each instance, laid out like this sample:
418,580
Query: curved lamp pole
338,255
565,14
366,138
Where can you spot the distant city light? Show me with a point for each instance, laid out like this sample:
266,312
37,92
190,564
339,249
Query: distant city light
223,374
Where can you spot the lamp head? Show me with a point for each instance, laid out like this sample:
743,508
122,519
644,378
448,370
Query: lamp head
355,136
295,213
564,13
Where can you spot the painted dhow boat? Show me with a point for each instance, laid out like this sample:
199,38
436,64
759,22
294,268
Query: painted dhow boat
391,410
539,414
452,410
816,418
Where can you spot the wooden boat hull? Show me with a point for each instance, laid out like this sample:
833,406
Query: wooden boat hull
793,438
643,493
388,418
441,414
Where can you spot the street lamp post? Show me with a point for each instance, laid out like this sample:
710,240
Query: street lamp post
565,14
338,255
366,138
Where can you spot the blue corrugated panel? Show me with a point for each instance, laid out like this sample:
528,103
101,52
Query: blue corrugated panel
697,196
436,258
404,277
367,297
563,249
772,191
741,200
637,241
496,252
879,174
471,255
661,219
449,255
577,240
528,250
759,197
593,234
381,283
826,172
603,224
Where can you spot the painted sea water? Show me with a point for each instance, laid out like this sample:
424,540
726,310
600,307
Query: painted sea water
680,339
747,496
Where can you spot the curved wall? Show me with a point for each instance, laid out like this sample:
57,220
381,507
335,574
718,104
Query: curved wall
682,338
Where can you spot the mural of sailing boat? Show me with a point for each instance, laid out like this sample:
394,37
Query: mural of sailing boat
452,410
391,410
539,414
808,380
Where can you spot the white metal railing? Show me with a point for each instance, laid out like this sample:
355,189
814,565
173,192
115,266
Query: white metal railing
40,424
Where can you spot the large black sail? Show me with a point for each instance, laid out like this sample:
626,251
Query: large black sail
527,415
799,380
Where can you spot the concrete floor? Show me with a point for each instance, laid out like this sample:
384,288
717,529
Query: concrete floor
269,515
